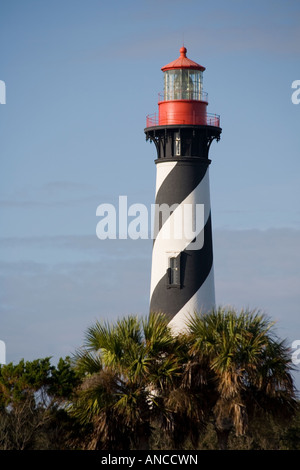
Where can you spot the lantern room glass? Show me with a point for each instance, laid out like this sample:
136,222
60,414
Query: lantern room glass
183,84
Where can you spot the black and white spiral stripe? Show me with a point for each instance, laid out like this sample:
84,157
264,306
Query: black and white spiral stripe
184,181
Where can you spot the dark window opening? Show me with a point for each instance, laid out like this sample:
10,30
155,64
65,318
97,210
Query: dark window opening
177,145
174,272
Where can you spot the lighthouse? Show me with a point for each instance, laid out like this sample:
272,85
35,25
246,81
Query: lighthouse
182,274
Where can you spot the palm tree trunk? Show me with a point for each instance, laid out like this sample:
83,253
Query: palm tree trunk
222,437
143,444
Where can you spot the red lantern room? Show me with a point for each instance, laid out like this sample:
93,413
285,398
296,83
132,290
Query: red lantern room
183,100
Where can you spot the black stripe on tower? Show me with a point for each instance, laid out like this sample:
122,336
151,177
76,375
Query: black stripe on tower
180,182
195,266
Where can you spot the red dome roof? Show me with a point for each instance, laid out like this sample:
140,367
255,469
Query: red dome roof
183,62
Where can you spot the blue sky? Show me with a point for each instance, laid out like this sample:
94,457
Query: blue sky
80,78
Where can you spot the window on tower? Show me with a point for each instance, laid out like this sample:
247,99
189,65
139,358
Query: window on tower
177,145
173,278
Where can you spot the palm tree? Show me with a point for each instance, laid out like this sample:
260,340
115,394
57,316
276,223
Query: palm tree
242,368
229,367
126,366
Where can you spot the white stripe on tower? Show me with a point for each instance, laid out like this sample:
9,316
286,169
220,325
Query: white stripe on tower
202,300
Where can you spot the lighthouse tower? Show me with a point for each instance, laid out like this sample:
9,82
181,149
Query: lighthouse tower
182,276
